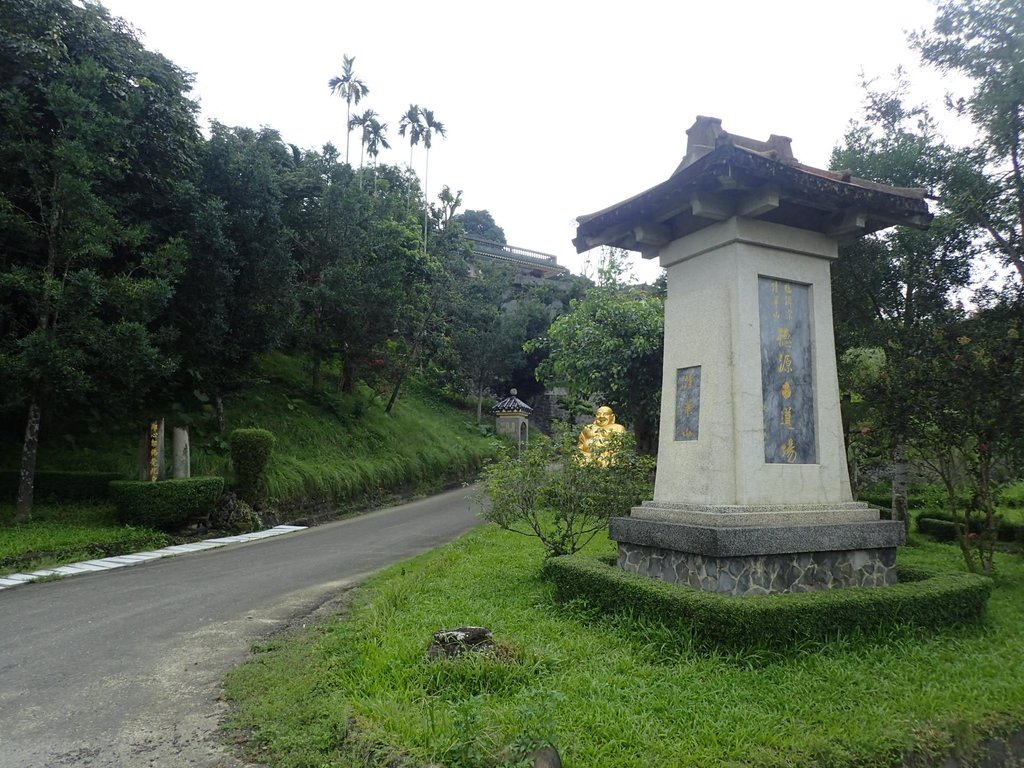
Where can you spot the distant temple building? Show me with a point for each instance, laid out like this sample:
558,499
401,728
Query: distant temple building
531,264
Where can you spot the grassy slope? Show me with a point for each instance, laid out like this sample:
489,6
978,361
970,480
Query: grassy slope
344,447
329,446
612,692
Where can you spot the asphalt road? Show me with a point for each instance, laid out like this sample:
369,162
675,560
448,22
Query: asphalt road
124,667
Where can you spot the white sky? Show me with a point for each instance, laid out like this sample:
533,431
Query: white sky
553,109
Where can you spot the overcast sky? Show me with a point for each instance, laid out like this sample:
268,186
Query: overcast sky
554,109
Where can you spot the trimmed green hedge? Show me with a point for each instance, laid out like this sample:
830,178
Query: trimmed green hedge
61,486
167,505
939,530
250,454
923,599
939,525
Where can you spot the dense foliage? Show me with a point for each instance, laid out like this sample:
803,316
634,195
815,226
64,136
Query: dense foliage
608,349
146,269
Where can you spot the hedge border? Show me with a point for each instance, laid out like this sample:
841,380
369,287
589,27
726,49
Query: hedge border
939,525
924,599
61,486
168,504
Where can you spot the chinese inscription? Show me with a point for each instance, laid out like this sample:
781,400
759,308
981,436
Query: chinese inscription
687,403
786,372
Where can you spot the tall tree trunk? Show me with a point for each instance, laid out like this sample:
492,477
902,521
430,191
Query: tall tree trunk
348,377
413,353
900,474
348,127
222,425
426,177
29,452
398,384
315,365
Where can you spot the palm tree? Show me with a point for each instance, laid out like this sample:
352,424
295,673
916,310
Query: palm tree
430,127
413,123
375,136
351,89
362,121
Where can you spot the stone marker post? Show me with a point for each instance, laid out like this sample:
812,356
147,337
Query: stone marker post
752,493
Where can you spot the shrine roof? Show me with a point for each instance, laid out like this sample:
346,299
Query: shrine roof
511,404
723,175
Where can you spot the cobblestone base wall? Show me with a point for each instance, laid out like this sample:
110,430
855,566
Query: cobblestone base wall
763,574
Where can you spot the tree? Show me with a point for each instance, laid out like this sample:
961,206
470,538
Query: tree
97,142
971,418
481,224
887,288
609,347
431,127
364,123
425,324
984,40
492,322
349,87
411,123
237,298
376,135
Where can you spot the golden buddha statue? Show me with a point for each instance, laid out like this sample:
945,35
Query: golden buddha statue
593,435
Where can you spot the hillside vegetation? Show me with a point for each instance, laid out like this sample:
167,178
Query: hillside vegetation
329,445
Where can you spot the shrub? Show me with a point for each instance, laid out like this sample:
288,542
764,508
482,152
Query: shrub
167,505
61,486
939,530
923,599
938,524
550,492
250,454
1012,495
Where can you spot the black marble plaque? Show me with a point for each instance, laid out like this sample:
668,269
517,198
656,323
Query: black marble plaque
687,403
787,383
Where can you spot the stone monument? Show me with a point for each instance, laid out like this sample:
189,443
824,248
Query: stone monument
752,493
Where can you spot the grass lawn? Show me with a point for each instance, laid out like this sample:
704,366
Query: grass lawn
66,533
610,691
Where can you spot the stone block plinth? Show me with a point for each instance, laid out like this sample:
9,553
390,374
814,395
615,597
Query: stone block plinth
760,550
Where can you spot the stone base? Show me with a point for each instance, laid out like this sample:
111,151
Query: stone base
763,574
759,550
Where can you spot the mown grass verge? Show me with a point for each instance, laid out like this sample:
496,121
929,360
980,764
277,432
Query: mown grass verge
68,533
613,690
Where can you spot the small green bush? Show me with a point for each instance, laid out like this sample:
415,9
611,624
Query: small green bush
939,525
167,505
551,492
1013,496
250,454
923,599
60,486
939,530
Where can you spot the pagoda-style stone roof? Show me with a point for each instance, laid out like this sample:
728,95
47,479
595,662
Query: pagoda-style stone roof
723,175
511,404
